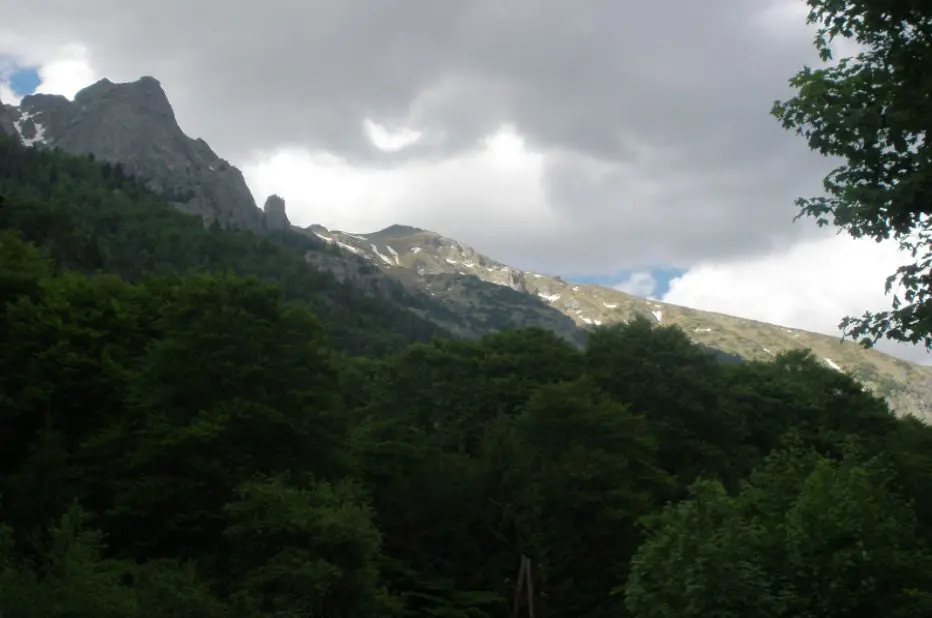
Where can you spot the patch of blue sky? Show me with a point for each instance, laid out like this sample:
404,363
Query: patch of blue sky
661,276
24,81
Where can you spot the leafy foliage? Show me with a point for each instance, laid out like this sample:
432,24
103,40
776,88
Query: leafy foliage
872,110
837,542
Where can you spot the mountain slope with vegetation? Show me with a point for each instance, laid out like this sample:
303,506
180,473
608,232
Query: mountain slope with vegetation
92,217
132,127
427,279
415,255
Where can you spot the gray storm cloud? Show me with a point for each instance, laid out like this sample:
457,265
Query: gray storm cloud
672,95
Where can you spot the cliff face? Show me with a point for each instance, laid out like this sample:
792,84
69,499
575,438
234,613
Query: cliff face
275,216
133,124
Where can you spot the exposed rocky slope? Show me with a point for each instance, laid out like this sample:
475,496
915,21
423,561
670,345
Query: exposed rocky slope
133,124
462,303
411,254
275,216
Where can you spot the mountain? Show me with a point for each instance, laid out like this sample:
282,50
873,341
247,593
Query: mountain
88,218
466,294
482,304
133,124
418,257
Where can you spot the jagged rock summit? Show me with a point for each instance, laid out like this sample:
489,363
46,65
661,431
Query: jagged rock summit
275,216
424,252
133,124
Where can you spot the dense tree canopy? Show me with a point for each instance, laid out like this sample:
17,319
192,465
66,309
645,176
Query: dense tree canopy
805,536
195,424
874,112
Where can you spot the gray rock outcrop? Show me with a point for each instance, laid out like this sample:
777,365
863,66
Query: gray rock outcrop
275,216
133,124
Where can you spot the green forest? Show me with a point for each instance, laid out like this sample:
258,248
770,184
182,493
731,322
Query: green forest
196,424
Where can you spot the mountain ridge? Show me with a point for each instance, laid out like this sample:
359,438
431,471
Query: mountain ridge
906,386
132,126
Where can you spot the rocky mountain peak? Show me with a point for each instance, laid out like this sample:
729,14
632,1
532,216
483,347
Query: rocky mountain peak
145,95
424,252
134,124
275,216
398,231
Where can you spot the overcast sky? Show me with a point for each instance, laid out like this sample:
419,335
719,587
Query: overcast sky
622,141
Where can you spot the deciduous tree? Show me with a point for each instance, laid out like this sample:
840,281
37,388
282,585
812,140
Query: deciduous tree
873,111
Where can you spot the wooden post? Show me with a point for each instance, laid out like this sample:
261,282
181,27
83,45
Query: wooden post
530,588
519,584
525,579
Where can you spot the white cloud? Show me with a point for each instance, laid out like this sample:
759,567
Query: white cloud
63,69
389,141
67,72
7,95
493,187
639,283
810,285
7,68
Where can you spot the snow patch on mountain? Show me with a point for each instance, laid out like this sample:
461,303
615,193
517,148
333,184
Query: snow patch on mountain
378,253
38,129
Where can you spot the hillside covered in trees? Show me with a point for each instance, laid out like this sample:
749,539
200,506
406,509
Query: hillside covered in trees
195,423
